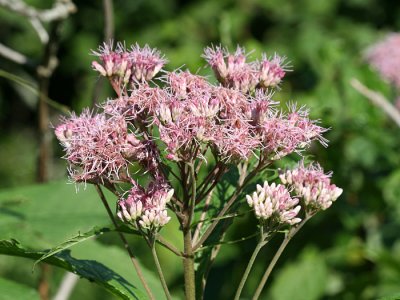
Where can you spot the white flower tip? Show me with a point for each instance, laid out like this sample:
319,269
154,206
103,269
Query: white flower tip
169,195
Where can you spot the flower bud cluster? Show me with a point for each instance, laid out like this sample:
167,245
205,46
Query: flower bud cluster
278,203
233,71
146,209
273,202
312,185
124,66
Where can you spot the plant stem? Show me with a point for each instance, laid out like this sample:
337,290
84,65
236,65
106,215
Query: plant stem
125,242
167,245
159,270
259,246
188,265
193,196
188,260
277,255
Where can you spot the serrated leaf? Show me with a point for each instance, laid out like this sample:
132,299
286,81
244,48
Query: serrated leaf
10,290
90,269
45,215
72,241
26,212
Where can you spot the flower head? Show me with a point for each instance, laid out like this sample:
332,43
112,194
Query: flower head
273,202
282,134
313,185
96,146
146,208
233,70
146,62
127,67
271,71
114,63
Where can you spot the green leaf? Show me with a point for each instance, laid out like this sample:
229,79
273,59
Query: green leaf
41,216
391,297
72,241
308,275
45,215
89,269
10,290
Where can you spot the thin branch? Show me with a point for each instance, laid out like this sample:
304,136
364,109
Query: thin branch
108,19
60,10
13,55
192,203
66,287
261,243
163,242
377,99
227,242
288,237
45,71
160,272
40,30
125,242
108,12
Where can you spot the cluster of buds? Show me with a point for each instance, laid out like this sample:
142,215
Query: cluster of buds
279,203
273,203
124,66
146,209
233,71
384,57
313,185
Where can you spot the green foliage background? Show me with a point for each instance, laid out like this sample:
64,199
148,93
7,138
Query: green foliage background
351,251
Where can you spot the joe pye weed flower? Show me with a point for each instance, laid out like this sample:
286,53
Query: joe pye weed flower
168,140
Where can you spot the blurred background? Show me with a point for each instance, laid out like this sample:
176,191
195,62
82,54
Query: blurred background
351,251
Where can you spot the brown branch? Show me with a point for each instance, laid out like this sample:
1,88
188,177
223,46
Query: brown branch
45,71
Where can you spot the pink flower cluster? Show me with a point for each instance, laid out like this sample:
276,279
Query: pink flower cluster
96,146
233,71
151,125
274,203
313,185
146,209
384,57
100,147
124,66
